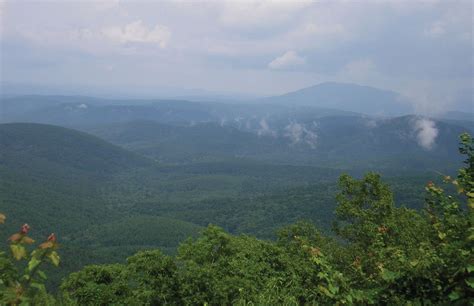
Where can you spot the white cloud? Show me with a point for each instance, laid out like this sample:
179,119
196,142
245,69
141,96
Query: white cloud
455,22
370,122
298,133
265,130
137,31
99,40
287,60
222,121
426,133
258,14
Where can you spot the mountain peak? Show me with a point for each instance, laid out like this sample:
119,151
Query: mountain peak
347,97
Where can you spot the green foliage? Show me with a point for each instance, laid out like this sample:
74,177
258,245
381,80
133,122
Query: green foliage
404,255
96,285
25,288
384,255
62,180
364,207
215,269
452,229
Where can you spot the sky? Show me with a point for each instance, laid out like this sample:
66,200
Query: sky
422,49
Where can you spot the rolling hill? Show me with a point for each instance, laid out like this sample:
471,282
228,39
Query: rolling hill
52,176
348,142
27,143
106,202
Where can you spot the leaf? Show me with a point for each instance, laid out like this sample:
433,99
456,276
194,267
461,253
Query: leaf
15,237
322,275
34,262
441,235
333,289
46,245
325,291
454,296
27,240
470,268
2,218
470,282
39,286
470,203
54,257
388,275
42,275
18,251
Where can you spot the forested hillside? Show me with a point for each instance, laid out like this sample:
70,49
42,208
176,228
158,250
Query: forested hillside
180,132
79,186
119,176
381,254
348,142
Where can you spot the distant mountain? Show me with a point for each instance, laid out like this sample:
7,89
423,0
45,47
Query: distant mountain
170,143
454,115
15,107
402,143
120,92
463,119
346,97
78,111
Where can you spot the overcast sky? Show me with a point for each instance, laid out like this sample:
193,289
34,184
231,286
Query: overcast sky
422,49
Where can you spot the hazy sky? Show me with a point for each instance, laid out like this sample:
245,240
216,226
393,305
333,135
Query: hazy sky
423,49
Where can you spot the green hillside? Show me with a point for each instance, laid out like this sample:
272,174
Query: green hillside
57,146
105,203
381,254
140,232
344,142
53,173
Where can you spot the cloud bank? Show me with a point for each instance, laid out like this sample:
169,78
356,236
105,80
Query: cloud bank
137,32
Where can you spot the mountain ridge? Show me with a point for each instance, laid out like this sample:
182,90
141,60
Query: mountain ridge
348,97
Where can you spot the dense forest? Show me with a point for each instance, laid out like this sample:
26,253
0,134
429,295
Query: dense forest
379,253
92,194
